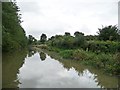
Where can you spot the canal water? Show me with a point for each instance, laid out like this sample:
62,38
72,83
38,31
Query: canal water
32,69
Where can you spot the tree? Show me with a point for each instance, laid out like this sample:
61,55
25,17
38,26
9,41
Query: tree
79,39
31,40
43,38
77,33
108,33
91,37
67,33
67,42
13,35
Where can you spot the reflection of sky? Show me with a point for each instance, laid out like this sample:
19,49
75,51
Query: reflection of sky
50,73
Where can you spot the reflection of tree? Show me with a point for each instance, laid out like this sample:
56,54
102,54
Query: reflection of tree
66,66
11,63
100,78
103,79
31,53
42,56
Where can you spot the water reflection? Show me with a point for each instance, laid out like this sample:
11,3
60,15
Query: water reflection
103,79
11,62
39,70
31,52
52,74
42,56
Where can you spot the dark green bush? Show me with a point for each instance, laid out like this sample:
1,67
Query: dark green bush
103,46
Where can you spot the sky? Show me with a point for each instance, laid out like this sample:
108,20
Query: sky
59,16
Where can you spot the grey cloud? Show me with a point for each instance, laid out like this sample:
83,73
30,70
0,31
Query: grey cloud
32,7
57,16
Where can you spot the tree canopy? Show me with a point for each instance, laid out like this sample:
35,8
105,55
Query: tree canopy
108,33
13,35
43,38
68,41
31,40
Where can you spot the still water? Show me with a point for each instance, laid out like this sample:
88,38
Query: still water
41,70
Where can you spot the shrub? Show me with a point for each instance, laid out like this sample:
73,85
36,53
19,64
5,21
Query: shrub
67,54
102,46
79,55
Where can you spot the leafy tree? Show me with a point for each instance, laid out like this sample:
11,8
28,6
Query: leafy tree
108,33
68,42
79,39
67,33
57,40
43,38
77,34
13,35
91,37
31,40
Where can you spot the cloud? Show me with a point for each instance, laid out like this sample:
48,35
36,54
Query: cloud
52,70
58,16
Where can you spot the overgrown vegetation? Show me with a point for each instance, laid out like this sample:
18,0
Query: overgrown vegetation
31,40
109,33
13,35
103,46
101,51
110,63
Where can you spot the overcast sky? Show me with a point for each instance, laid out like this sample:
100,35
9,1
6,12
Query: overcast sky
59,16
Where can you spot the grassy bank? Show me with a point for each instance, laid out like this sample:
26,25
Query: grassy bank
108,62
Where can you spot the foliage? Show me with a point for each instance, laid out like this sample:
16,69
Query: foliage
43,38
67,34
103,53
79,39
67,54
77,34
91,37
31,40
13,35
67,41
79,55
103,46
109,33
108,62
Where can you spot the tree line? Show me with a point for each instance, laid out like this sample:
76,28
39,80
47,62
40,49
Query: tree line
107,40
100,51
14,36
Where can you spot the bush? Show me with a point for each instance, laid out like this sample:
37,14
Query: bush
104,59
79,55
67,54
102,46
